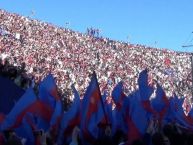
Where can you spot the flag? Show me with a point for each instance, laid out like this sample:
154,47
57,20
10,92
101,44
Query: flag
9,94
14,118
160,103
48,91
28,103
118,95
145,91
119,99
41,110
56,114
55,120
44,114
176,111
70,119
108,118
137,118
49,96
26,129
91,114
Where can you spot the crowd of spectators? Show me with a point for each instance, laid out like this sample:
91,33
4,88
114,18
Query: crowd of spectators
40,48
93,32
30,49
169,134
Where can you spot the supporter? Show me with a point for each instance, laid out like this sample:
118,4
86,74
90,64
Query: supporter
75,137
12,138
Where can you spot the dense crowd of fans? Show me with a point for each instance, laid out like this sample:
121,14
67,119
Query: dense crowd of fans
36,48
40,48
169,134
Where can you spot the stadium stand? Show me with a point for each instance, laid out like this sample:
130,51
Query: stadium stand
40,48
32,49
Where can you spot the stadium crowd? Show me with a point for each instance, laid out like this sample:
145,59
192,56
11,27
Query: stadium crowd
170,134
40,48
37,48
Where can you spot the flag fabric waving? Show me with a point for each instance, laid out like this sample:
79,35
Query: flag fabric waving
118,95
119,99
138,118
70,119
49,96
48,91
9,94
26,129
145,91
91,114
160,103
55,120
14,118
56,116
178,115
108,110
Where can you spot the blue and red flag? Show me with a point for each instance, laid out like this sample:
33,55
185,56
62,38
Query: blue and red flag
70,119
49,96
119,99
44,115
178,114
91,114
48,91
55,120
145,91
108,119
170,117
56,116
137,118
140,108
14,118
26,129
160,103
118,95
10,93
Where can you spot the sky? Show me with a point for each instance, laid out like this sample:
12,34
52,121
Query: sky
155,23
